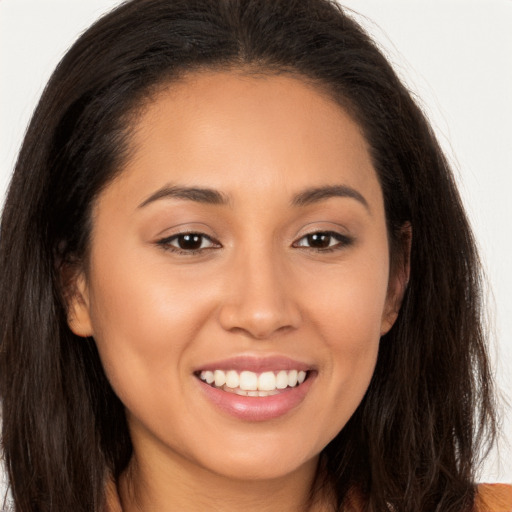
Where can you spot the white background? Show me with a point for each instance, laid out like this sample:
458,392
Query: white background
455,55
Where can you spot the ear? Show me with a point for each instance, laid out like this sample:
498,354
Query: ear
76,296
398,280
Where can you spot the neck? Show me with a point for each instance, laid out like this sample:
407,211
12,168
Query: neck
186,488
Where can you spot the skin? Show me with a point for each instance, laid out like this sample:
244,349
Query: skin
258,289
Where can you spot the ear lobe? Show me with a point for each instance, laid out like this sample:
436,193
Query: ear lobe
77,300
399,279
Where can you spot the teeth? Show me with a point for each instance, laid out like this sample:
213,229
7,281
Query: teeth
232,379
219,378
267,381
241,392
208,377
282,380
248,383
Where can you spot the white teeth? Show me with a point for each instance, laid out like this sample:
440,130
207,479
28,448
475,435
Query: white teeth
241,392
232,379
219,377
249,383
282,380
267,381
207,376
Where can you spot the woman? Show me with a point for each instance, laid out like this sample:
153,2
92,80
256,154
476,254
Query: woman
219,283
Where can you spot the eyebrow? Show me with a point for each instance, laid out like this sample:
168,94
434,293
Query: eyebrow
197,194
214,197
317,194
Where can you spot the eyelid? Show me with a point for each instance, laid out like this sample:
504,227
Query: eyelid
184,228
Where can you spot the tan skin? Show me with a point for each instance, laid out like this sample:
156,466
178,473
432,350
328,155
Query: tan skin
278,271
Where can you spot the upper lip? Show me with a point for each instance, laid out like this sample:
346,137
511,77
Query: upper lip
256,364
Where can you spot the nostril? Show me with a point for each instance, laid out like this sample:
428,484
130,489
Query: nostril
256,324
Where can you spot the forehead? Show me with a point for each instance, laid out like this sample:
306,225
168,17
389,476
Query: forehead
227,129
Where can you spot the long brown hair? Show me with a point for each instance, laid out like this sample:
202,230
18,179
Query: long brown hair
413,442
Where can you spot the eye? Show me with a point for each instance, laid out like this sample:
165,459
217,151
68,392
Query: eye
188,243
323,241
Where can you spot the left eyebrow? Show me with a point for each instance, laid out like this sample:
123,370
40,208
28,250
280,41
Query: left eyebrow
317,194
196,194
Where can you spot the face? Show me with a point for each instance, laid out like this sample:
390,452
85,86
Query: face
238,281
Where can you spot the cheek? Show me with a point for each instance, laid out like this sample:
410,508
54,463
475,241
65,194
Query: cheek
143,321
346,308
347,302
351,334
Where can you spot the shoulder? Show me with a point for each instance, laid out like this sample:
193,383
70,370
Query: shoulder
494,498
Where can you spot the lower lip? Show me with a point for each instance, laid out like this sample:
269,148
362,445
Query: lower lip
261,408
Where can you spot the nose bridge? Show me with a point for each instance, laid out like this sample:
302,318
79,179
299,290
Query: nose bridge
259,299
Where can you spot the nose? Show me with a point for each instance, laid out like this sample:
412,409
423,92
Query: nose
259,300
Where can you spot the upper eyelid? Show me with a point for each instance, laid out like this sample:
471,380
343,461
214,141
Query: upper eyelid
334,234
340,231
323,226
188,226
191,232
186,232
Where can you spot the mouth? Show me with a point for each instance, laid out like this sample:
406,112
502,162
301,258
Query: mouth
253,384
256,388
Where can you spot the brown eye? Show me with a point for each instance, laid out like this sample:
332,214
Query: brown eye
188,242
323,240
319,240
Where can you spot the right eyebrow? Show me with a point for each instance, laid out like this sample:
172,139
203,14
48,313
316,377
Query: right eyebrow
317,194
197,194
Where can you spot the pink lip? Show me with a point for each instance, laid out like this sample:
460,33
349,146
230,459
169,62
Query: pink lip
256,364
250,408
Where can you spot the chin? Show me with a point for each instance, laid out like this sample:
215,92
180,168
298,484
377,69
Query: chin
262,459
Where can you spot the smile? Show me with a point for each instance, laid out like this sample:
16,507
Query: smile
248,383
256,388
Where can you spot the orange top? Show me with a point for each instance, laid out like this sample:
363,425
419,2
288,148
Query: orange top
490,498
494,498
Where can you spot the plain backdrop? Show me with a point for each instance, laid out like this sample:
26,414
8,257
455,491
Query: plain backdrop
454,55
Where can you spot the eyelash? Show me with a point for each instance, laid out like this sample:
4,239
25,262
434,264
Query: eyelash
343,241
166,243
